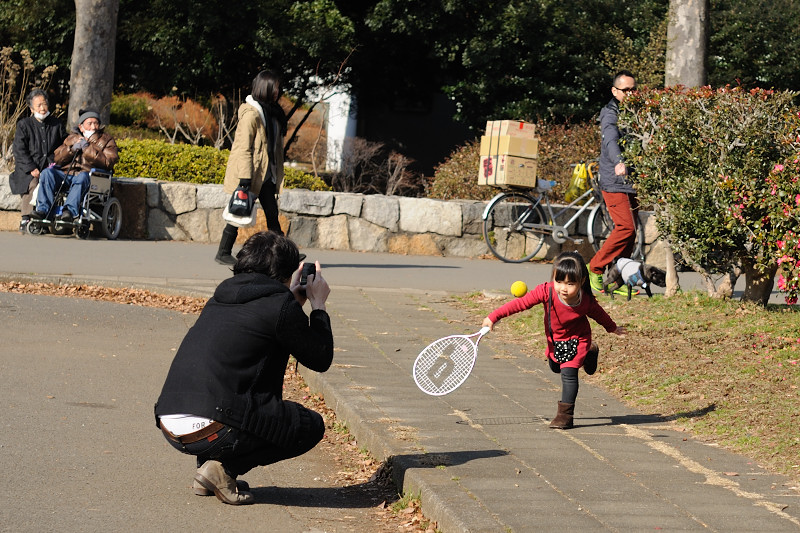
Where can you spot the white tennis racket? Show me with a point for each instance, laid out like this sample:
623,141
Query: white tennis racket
446,363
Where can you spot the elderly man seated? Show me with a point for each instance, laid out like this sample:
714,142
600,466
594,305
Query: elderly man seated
87,147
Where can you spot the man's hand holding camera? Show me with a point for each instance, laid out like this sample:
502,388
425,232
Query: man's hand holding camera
308,284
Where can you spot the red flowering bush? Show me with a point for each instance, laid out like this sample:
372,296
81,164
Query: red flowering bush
706,159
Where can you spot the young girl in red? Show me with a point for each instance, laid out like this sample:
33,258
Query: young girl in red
568,300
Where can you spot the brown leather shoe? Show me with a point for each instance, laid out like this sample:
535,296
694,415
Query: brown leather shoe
212,476
200,490
563,419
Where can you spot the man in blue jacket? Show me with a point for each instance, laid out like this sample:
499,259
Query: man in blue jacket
618,193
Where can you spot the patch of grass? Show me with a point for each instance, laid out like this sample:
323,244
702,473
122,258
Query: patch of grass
726,371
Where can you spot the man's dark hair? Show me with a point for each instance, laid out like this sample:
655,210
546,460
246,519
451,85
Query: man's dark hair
33,94
621,73
265,86
268,253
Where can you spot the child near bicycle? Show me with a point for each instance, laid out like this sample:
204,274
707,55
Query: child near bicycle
568,301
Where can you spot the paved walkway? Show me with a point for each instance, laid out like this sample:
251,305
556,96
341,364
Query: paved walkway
482,458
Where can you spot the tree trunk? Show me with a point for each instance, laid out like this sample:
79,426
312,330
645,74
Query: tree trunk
687,36
92,74
673,283
758,284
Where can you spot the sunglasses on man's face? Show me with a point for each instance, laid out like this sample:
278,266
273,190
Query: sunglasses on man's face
626,89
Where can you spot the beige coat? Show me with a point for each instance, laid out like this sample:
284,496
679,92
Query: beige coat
249,156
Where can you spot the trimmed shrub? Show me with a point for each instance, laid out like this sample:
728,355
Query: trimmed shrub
457,177
171,162
194,164
294,178
129,109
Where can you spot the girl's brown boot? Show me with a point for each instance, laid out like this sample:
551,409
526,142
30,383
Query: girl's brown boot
563,419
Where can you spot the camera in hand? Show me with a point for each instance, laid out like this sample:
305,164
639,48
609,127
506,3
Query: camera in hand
308,268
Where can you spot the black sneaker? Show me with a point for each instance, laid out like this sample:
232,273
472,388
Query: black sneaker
590,363
38,215
65,216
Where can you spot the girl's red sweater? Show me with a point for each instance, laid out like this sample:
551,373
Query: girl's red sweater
567,322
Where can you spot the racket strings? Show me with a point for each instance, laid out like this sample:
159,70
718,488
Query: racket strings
445,364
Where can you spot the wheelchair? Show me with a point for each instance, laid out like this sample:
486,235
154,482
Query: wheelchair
98,208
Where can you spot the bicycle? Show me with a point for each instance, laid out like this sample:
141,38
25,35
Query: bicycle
516,221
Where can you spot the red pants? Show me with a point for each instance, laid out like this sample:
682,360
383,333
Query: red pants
623,208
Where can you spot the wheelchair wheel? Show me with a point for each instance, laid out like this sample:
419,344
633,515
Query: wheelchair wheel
112,218
82,231
35,227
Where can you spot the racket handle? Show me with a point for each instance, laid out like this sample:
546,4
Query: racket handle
484,330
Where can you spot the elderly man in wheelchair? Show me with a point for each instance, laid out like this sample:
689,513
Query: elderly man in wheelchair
83,161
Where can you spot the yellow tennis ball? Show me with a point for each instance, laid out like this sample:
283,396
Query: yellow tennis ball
518,288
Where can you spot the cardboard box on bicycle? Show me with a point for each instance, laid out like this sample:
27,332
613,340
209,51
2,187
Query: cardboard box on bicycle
508,145
507,171
512,128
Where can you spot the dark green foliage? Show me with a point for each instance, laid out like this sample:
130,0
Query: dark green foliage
129,110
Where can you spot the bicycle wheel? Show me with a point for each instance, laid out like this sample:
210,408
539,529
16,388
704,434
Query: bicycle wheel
508,226
599,226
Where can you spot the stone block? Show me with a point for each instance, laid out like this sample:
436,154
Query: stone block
650,230
422,215
8,200
195,224
212,196
178,198
417,244
471,212
463,246
160,227
381,210
132,196
153,194
332,233
347,203
303,231
9,220
305,202
366,236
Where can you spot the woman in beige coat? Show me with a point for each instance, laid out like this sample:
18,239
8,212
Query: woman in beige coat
256,158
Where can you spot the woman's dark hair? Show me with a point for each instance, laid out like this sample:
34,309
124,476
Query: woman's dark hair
570,266
268,253
33,94
266,86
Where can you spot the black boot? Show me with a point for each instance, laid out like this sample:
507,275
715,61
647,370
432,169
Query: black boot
224,256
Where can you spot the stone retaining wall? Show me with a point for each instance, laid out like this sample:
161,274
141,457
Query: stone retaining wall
159,210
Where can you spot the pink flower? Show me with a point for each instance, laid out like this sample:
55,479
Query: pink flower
781,244
791,300
781,283
778,168
797,199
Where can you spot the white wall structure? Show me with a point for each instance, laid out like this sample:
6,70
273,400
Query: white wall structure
341,121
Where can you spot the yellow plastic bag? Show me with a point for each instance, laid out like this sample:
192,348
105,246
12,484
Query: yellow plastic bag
579,183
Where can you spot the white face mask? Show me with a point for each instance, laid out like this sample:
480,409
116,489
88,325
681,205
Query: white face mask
88,134
41,116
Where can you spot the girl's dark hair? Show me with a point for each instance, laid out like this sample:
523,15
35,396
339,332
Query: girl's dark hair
266,86
570,266
268,253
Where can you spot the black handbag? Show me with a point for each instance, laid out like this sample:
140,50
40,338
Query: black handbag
563,351
241,202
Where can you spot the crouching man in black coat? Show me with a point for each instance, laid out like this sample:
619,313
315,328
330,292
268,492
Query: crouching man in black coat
222,399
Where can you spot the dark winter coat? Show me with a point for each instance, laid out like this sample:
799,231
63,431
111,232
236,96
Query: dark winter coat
230,365
34,144
611,151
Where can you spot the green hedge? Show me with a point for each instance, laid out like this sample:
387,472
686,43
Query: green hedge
160,160
170,162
